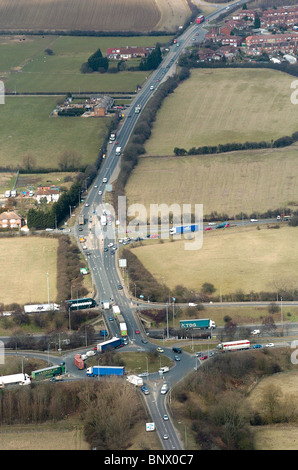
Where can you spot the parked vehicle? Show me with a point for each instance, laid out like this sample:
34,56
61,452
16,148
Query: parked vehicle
184,229
234,345
96,371
135,380
201,324
113,136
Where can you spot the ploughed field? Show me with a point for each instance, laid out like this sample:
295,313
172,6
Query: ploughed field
92,15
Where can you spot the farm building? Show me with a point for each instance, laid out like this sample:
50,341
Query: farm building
10,219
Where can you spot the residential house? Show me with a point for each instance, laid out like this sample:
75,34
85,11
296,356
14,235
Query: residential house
245,14
103,105
51,195
285,16
128,52
10,219
284,43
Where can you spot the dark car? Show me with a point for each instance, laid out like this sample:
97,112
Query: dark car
177,350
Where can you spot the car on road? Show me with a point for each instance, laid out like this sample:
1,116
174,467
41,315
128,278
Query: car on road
177,350
144,341
166,436
80,229
105,249
257,346
165,417
177,358
202,358
164,389
110,245
86,205
105,180
100,193
145,390
152,87
137,332
159,350
269,345
111,319
120,286
198,354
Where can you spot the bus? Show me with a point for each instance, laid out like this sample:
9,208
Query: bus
80,304
200,19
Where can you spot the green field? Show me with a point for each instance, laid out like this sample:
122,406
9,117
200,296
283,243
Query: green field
228,183
26,262
25,67
223,106
27,129
232,259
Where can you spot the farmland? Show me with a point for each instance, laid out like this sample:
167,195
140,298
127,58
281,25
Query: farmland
27,261
92,15
25,67
222,106
228,183
234,259
27,129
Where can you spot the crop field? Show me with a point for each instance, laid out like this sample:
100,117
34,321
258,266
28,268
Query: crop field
26,129
232,259
222,106
92,15
25,67
26,262
230,183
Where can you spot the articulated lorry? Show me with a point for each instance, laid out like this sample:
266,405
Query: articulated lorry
109,344
14,379
234,345
201,323
184,229
101,371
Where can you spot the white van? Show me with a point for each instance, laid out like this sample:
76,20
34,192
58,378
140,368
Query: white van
164,389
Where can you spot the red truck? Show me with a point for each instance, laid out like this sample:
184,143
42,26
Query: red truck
200,19
79,361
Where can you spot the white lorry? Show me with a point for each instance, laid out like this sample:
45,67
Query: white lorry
135,380
106,305
118,151
103,220
20,379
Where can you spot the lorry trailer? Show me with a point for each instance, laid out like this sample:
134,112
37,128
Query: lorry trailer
135,380
234,345
39,308
79,362
101,371
116,310
48,372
